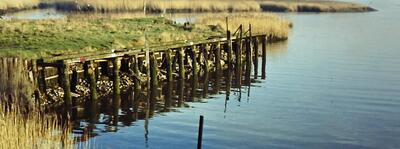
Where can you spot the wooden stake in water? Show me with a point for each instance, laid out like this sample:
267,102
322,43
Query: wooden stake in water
264,56
200,134
255,42
64,77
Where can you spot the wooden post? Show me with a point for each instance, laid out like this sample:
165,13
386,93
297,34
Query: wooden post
195,71
136,76
200,134
239,47
64,76
154,82
229,49
90,70
181,83
255,58
116,84
74,79
42,77
206,70
248,57
35,75
217,56
169,79
181,64
264,56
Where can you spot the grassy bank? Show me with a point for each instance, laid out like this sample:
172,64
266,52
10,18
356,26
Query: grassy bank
46,38
311,6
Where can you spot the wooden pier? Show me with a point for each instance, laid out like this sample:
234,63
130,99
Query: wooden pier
147,65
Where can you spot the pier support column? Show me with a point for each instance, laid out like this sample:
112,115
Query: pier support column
90,70
153,82
255,57
64,77
195,71
248,61
116,88
168,95
264,56
205,50
181,83
229,50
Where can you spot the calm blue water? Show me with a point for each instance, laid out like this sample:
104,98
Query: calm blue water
334,84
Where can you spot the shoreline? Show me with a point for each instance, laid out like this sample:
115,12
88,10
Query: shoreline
318,6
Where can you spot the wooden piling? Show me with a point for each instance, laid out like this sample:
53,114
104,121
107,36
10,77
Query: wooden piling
169,88
116,84
153,82
74,79
195,71
248,57
217,56
200,133
255,59
42,76
92,81
239,47
136,76
206,69
181,81
64,77
264,56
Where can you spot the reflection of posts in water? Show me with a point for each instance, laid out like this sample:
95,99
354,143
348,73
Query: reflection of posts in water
181,83
195,70
264,56
206,69
116,89
255,58
64,77
169,88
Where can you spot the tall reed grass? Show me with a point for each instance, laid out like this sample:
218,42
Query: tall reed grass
19,130
164,5
270,24
312,6
18,4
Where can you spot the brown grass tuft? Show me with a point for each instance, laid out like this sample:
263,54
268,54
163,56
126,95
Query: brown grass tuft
268,24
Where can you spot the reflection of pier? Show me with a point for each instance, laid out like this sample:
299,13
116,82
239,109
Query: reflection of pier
161,77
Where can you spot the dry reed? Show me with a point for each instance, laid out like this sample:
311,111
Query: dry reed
312,6
165,5
33,130
269,24
18,4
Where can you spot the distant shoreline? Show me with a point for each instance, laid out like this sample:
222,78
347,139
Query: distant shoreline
186,6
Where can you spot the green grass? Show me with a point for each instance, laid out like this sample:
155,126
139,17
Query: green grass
47,38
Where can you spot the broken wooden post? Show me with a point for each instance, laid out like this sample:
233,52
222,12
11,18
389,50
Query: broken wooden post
64,77
264,56
255,57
